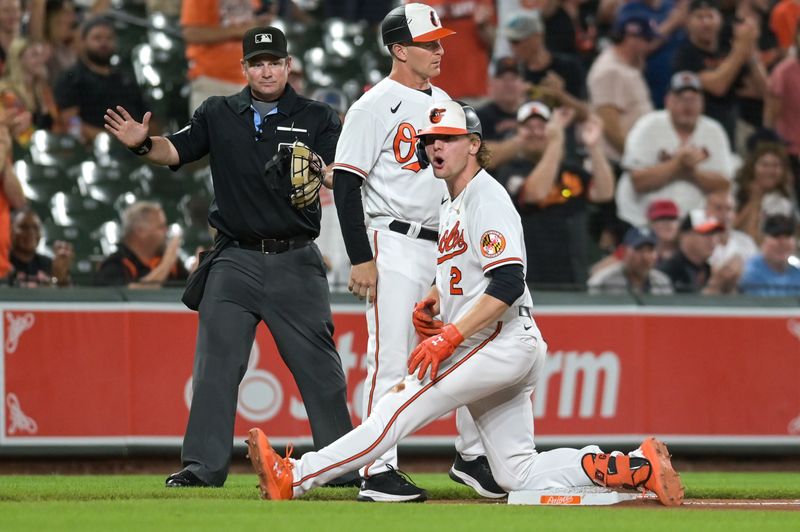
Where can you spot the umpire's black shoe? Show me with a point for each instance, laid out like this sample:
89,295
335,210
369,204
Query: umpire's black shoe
185,479
390,486
477,475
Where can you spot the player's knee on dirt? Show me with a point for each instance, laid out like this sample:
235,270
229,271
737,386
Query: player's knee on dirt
616,470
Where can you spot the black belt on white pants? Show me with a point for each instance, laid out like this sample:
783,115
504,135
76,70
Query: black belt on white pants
404,228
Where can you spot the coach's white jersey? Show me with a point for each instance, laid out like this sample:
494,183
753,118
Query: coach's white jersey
378,143
478,231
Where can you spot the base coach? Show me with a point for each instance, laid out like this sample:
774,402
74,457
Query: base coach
265,265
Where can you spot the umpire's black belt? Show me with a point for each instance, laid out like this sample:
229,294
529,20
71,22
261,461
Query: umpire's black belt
403,227
272,246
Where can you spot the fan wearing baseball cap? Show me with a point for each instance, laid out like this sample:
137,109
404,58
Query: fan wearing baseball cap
635,272
774,271
552,193
689,269
675,153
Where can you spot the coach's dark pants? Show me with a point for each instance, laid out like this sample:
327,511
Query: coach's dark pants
289,292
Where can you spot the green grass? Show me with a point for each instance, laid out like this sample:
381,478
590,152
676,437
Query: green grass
139,502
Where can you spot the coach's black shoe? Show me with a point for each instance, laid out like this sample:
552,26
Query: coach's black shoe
185,479
390,486
477,475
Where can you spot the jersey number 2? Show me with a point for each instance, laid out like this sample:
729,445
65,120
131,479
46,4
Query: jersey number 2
455,278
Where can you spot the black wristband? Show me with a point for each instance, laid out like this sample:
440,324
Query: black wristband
144,147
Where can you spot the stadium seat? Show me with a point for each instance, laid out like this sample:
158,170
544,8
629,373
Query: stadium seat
40,182
50,149
105,184
80,212
108,152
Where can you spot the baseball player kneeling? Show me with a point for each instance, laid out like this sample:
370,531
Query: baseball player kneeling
486,353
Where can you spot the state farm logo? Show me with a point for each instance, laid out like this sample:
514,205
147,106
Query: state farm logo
560,499
586,369
452,243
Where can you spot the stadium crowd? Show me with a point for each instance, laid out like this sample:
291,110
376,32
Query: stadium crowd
650,146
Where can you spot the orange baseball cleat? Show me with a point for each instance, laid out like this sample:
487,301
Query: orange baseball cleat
647,468
664,481
274,473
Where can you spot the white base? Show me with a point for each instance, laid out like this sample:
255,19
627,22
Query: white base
582,496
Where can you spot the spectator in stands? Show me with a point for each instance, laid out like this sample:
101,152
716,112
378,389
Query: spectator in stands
734,247
297,77
213,31
25,90
669,18
689,269
675,154
751,98
552,194
55,23
723,68
474,24
617,89
145,257
764,184
781,109
32,269
86,90
11,197
770,273
506,94
636,272
663,224
558,80
663,221
10,21
784,21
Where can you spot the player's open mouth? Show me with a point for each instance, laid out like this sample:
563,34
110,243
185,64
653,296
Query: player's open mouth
438,162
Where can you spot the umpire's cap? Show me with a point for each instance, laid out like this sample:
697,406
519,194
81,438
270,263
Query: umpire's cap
412,23
451,118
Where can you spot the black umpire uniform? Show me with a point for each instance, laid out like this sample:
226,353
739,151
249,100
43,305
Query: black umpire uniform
270,271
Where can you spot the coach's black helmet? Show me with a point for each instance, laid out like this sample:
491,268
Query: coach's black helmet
412,23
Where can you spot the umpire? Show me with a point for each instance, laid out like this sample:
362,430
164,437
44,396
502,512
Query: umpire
269,268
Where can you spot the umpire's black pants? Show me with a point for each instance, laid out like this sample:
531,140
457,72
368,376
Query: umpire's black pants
289,292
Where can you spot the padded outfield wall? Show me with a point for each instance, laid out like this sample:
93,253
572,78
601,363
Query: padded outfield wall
109,371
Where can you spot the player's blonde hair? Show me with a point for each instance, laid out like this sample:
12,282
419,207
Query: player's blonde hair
484,155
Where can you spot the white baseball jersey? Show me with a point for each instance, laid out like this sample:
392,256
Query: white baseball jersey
493,372
378,143
479,230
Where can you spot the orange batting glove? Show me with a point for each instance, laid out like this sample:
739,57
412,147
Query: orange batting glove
432,351
423,321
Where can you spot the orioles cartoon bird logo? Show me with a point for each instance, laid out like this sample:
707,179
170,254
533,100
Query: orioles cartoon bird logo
433,18
492,244
436,115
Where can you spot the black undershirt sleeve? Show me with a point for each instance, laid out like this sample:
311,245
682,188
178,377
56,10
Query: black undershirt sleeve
507,284
349,207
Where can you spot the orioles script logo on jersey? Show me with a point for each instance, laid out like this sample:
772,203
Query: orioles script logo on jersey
405,140
436,115
492,244
451,244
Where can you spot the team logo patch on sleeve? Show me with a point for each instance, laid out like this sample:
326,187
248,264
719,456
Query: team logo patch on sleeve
492,244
